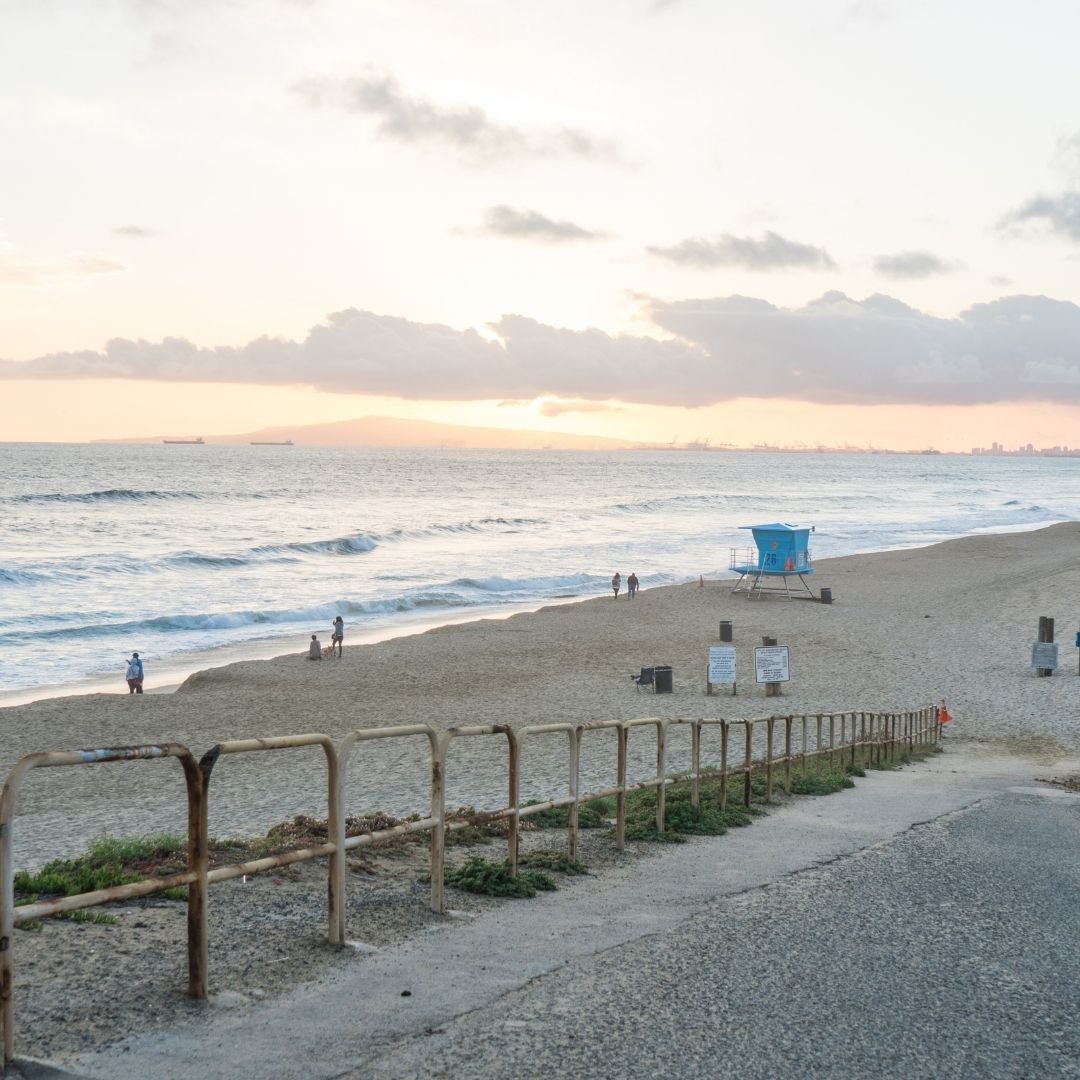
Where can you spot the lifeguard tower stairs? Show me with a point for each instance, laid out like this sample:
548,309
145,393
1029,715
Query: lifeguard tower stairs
781,552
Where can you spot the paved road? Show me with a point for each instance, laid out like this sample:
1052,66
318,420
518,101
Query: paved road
923,925
950,952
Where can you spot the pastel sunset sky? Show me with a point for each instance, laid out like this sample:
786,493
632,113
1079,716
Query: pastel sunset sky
842,221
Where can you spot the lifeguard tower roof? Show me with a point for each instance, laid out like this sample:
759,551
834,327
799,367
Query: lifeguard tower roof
777,526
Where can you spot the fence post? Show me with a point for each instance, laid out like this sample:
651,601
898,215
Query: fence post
7,921
335,832
695,762
748,765
769,724
661,788
620,779
438,812
572,816
723,763
804,744
199,862
788,720
514,795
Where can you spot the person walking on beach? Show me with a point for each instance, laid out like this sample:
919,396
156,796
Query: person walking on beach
631,585
314,650
134,674
338,636
616,581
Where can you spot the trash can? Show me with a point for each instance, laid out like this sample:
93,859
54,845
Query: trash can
662,678
826,596
725,630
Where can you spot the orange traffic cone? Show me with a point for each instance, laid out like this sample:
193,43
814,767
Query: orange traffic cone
943,714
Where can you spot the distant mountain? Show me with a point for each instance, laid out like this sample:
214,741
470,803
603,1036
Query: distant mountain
391,431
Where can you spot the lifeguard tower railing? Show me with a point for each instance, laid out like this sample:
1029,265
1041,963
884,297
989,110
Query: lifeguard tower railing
781,552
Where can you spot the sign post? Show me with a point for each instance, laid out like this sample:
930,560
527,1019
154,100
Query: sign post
1044,657
771,666
1046,636
720,669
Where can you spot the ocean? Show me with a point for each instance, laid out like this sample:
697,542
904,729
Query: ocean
199,555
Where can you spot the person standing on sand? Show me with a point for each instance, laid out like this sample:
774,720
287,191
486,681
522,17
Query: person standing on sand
338,636
134,674
314,650
616,581
631,585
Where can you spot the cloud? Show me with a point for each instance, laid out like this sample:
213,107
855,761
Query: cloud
58,270
133,230
1067,157
531,225
836,349
880,351
770,251
911,265
465,128
1059,213
867,11
559,408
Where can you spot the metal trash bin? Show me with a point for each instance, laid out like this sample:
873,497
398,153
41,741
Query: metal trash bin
725,630
826,596
662,679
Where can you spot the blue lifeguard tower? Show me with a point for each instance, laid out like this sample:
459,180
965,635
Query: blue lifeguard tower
780,552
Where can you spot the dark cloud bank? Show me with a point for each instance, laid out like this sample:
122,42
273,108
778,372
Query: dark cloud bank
835,350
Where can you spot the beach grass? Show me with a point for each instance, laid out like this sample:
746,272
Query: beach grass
113,861
479,875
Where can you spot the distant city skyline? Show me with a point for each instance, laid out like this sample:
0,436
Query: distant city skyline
847,222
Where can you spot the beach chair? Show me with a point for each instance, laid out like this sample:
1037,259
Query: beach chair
644,679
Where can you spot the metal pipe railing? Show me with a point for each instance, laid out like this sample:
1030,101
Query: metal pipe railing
879,735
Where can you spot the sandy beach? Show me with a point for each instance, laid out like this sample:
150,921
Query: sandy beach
908,628
954,621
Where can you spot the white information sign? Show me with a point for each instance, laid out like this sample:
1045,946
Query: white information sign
1044,654
721,663
771,664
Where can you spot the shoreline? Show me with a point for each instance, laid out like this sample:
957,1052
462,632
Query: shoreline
175,672
220,656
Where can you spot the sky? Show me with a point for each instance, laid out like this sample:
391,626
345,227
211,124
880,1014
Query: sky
845,222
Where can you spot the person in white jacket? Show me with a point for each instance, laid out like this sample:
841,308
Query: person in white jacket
134,674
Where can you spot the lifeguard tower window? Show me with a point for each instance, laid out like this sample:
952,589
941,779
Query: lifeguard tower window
780,552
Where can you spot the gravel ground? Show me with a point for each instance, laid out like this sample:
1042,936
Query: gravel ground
82,985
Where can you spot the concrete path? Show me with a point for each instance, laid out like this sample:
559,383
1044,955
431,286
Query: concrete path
923,924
